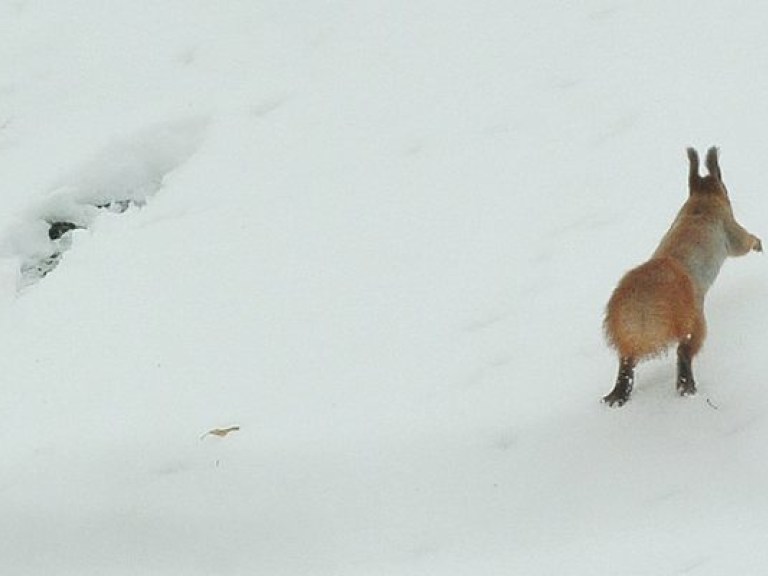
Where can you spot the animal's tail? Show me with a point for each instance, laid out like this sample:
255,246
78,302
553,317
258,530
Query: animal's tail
653,306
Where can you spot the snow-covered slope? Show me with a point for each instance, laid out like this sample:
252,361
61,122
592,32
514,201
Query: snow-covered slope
377,237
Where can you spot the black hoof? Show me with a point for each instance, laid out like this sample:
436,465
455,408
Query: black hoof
624,384
687,390
615,400
686,386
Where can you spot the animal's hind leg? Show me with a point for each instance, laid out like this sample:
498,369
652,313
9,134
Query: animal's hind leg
686,350
624,382
686,385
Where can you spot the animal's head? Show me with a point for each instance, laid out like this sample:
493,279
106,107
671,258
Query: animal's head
712,184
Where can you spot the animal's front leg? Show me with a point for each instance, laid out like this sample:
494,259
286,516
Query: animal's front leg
740,241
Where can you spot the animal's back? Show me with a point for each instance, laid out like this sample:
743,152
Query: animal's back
697,240
653,306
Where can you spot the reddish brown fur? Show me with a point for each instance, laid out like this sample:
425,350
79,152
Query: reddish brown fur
653,306
660,303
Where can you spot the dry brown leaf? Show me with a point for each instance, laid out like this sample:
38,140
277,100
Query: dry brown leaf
220,432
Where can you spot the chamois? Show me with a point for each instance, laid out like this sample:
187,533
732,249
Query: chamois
661,302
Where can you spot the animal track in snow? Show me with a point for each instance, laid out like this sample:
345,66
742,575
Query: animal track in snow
124,175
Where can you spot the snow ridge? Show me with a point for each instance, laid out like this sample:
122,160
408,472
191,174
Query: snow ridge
124,175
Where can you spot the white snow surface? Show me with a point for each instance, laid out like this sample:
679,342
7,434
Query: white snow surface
377,236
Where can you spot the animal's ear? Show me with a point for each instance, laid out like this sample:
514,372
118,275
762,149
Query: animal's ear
693,172
713,167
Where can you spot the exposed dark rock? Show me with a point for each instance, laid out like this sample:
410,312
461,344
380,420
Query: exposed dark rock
33,271
118,206
58,229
